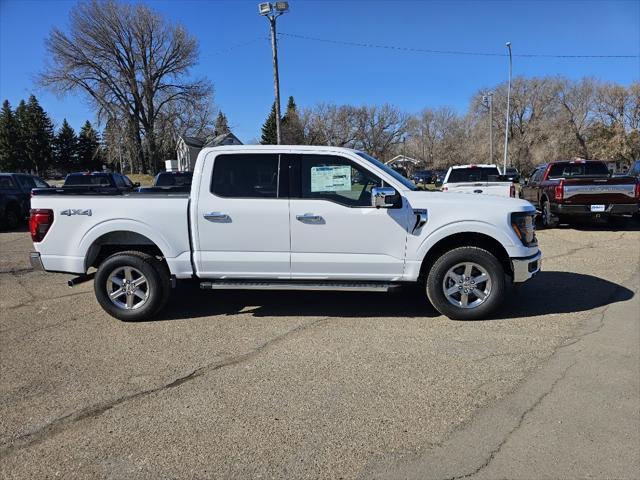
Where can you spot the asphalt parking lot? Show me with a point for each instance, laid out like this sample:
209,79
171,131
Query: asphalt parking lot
328,385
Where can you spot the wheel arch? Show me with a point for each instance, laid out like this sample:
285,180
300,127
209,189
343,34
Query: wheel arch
466,239
118,241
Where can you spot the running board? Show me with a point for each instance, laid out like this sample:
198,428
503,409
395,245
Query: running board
301,285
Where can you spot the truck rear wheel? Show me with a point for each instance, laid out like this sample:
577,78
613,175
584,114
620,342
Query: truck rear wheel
132,286
466,283
547,220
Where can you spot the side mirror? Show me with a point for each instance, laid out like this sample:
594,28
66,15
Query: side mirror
380,197
526,181
438,183
136,184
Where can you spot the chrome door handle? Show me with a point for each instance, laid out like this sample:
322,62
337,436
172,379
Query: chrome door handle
310,218
217,217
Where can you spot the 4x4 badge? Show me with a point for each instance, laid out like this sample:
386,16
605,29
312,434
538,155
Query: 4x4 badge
76,211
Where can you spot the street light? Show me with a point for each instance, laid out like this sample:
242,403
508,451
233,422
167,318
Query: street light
506,129
488,102
273,11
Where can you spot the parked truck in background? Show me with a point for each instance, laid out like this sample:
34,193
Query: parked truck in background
564,191
288,218
15,197
484,179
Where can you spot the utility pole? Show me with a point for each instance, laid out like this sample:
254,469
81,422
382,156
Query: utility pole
506,128
488,101
272,11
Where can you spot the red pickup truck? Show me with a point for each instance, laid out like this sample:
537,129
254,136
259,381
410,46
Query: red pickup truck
582,188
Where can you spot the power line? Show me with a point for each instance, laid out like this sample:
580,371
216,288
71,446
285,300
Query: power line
444,52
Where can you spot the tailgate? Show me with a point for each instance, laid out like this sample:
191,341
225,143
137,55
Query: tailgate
599,191
502,189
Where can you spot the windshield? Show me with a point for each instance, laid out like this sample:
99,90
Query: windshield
472,174
405,181
588,169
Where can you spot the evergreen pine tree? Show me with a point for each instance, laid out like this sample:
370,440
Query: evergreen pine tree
66,148
269,132
36,131
8,138
22,121
221,125
292,130
88,148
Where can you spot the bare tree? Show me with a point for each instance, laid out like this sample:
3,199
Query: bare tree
380,129
132,64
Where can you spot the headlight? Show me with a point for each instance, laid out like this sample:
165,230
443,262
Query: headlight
523,224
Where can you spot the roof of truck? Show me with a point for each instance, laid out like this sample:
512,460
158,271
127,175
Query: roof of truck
476,165
279,148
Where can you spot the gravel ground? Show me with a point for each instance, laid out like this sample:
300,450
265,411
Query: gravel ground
276,385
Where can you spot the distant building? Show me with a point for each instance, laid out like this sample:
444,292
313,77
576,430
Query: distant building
188,148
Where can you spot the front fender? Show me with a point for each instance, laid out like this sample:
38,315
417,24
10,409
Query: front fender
470,226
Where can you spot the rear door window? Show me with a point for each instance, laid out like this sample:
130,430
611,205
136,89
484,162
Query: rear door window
246,175
6,183
588,169
26,183
120,183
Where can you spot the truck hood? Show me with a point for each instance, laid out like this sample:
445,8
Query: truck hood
472,203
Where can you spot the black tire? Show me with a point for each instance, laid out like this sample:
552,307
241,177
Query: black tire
435,284
157,286
546,217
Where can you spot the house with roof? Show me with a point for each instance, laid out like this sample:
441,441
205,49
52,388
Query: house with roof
188,148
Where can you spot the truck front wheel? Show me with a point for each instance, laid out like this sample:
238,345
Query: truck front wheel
132,286
466,283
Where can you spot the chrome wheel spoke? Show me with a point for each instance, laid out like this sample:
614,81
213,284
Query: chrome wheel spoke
479,293
464,300
118,281
130,300
467,270
115,294
454,277
480,278
140,294
452,290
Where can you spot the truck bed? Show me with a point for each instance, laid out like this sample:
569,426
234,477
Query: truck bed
81,219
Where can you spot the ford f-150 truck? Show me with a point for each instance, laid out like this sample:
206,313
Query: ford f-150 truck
484,179
566,190
288,217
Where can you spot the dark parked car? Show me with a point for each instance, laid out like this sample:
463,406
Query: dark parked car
100,179
569,189
172,182
423,176
15,195
92,183
511,175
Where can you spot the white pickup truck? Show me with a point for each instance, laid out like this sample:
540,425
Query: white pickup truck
287,217
483,179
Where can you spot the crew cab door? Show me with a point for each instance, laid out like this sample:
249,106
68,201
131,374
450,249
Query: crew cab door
241,221
530,191
335,232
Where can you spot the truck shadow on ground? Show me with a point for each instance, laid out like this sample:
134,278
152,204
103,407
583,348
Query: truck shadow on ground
601,225
547,293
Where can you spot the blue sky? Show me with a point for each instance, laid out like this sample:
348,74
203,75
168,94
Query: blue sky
235,51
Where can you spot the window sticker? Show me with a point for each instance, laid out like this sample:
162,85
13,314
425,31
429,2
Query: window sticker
330,178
